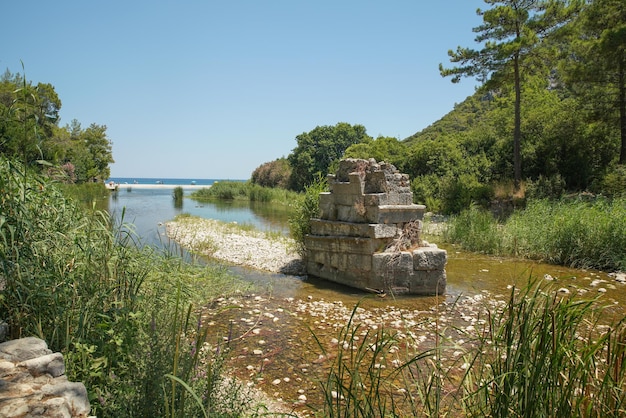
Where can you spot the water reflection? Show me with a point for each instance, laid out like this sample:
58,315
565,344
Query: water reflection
150,209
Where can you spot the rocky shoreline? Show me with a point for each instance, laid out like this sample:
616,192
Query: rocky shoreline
235,244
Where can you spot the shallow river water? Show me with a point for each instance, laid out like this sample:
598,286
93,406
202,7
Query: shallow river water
280,338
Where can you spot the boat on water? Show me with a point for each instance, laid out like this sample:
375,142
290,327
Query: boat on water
111,186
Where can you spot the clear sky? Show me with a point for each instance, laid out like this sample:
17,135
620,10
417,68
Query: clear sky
213,89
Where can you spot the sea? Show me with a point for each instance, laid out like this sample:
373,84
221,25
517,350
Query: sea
176,181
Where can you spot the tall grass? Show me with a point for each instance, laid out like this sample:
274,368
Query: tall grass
177,195
577,233
361,381
537,355
544,356
237,190
123,316
475,230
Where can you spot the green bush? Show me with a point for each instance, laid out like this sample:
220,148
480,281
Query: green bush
425,190
120,314
551,187
306,207
475,229
462,192
272,174
613,184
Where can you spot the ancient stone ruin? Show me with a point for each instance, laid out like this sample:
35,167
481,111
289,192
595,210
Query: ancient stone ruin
368,233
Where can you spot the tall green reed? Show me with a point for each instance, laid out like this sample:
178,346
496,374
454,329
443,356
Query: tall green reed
92,291
537,355
577,233
545,356
177,195
367,374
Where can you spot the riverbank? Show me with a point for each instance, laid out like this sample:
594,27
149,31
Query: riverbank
235,244
158,186
285,343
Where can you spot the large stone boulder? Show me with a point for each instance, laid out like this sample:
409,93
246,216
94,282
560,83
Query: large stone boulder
33,382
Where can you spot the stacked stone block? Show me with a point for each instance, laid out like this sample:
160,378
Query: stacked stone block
367,208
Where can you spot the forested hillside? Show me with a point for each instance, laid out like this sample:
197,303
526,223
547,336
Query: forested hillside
572,114
549,117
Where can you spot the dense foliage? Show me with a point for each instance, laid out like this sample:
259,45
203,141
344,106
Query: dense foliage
123,316
549,116
30,132
572,232
273,174
319,149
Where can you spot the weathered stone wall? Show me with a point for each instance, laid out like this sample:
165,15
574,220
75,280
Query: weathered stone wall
366,212
33,382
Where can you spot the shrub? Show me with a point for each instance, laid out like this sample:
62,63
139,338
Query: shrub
272,174
307,207
614,182
475,229
461,192
551,187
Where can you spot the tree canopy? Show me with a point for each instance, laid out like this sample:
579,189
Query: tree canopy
319,149
511,33
30,132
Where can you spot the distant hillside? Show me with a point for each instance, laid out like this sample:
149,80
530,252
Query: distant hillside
463,117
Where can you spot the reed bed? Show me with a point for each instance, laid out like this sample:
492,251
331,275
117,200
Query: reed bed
537,355
238,190
126,318
575,232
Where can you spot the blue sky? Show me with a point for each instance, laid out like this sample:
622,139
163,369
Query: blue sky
213,89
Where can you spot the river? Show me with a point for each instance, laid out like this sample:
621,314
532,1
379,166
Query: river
467,273
278,335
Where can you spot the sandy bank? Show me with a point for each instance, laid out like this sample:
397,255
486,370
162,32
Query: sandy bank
234,244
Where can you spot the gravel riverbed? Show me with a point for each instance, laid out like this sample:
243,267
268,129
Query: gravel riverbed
238,245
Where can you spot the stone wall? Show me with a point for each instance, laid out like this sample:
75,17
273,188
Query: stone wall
33,382
361,238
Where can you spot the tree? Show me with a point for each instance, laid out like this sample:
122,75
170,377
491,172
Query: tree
28,117
597,61
383,148
510,33
319,149
98,147
272,174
